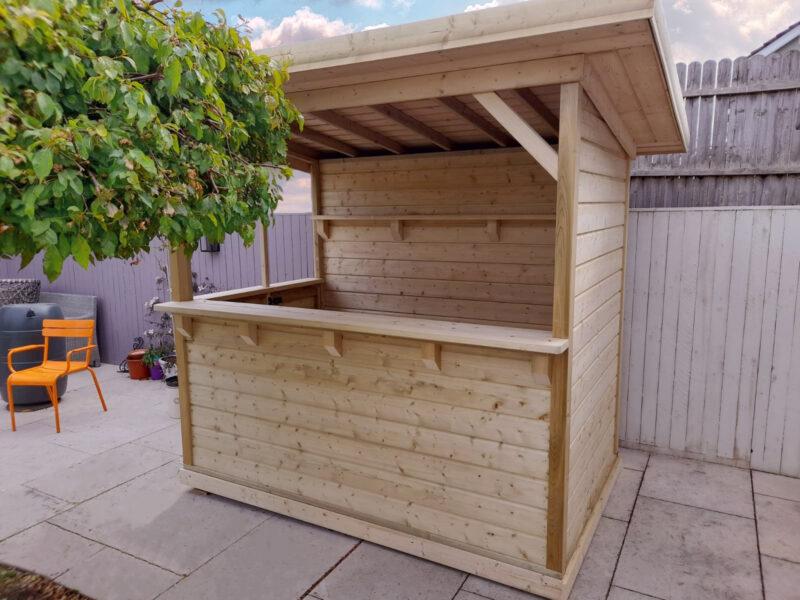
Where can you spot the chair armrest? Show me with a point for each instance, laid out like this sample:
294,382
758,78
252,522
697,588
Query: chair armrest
13,351
74,350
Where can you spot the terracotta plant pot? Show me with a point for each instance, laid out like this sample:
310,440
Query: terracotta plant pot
136,368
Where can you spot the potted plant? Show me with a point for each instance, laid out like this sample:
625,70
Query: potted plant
151,358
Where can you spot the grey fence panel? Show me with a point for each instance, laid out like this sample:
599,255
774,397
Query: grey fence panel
744,123
711,352
122,287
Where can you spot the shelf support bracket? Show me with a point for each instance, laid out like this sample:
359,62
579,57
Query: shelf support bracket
396,227
540,367
432,355
332,342
183,325
323,229
493,230
248,332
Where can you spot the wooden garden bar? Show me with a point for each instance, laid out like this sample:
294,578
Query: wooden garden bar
447,383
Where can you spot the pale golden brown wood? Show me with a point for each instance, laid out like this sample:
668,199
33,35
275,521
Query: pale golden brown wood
180,280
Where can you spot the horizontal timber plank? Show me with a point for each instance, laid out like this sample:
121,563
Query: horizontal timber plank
485,509
499,253
421,329
417,518
474,230
525,491
472,290
449,271
512,460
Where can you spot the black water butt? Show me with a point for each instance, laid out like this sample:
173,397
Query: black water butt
21,325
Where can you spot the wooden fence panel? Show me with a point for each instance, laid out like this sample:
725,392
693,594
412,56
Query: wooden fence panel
744,122
713,335
122,287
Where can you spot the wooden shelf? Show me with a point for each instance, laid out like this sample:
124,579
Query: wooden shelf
395,223
424,330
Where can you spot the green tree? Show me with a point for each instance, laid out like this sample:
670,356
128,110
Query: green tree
121,122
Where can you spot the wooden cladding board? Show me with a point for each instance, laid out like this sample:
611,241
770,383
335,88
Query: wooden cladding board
462,270
455,454
594,343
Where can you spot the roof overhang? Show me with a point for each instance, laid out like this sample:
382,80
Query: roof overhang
618,47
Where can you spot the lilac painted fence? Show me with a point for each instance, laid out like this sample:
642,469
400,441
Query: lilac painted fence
122,288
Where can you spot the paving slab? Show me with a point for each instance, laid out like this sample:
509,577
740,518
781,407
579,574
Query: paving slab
47,550
778,486
372,572
101,472
494,591
634,459
781,579
678,552
30,452
597,569
112,575
464,595
778,527
22,507
618,593
158,519
166,440
623,496
281,558
700,484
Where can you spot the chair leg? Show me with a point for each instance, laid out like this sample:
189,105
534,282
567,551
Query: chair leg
97,385
11,405
54,400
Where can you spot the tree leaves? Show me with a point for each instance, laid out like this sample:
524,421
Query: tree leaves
172,76
142,124
42,163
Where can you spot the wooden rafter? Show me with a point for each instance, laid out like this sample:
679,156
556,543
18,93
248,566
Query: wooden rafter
466,113
540,108
526,135
303,152
347,124
415,125
325,140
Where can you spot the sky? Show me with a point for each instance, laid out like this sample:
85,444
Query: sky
698,30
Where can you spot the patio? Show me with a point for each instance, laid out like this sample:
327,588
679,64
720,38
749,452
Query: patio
98,507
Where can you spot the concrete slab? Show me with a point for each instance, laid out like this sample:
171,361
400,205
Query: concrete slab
634,459
594,578
700,484
101,472
47,550
374,573
781,579
623,496
680,552
22,507
618,593
494,591
778,527
30,452
778,486
166,440
281,555
112,575
161,521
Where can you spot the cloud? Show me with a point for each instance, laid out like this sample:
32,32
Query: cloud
370,3
296,194
715,29
490,4
378,26
303,25
403,4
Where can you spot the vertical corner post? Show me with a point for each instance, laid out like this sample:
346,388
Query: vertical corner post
180,284
563,286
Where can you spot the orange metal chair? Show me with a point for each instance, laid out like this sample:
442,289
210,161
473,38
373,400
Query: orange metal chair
50,371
